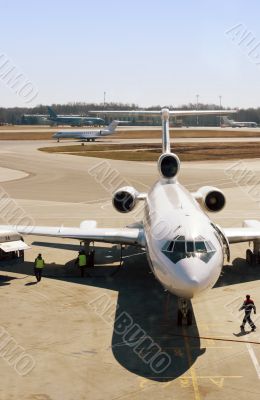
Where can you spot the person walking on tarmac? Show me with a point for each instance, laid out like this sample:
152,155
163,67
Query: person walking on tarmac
38,267
248,306
82,263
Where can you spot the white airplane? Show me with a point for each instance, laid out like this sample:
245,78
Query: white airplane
238,124
184,248
88,135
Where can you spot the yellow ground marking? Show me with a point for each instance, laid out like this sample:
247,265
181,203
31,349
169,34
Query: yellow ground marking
217,380
186,380
192,369
176,348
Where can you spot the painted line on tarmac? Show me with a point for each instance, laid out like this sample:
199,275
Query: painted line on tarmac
253,358
213,338
194,377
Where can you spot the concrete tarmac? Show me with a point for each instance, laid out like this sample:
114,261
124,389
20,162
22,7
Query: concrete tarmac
65,325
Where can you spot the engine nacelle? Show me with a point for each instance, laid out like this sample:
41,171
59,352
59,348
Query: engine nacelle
211,198
125,199
169,165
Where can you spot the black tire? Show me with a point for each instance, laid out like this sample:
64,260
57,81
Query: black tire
189,318
179,318
254,259
249,256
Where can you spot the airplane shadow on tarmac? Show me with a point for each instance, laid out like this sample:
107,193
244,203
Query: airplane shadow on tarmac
160,351
238,272
5,280
144,303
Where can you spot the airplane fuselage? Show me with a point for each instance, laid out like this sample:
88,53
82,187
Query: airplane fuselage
76,121
184,249
83,135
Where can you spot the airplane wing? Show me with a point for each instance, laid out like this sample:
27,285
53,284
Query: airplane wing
88,232
249,232
174,113
201,112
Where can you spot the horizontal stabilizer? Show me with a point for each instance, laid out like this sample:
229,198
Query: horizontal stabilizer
174,113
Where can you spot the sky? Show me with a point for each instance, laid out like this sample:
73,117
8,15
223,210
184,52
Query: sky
144,52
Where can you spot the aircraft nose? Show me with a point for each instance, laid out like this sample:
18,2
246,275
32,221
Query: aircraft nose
194,275
193,282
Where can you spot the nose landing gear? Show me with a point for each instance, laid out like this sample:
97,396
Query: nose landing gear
184,312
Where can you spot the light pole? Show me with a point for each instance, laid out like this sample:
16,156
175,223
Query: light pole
104,99
197,96
220,105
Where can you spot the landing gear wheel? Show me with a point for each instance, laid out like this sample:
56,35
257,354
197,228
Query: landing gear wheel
254,259
189,318
249,257
179,318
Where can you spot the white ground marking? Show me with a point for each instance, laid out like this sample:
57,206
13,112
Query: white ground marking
253,358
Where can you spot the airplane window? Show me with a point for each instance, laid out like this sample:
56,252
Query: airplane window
178,249
179,246
170,246
200,247
190,247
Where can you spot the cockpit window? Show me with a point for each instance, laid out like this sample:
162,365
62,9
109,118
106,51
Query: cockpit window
169,248
190,247
179,248
200,247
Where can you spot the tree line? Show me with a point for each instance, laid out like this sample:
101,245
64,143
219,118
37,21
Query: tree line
15,115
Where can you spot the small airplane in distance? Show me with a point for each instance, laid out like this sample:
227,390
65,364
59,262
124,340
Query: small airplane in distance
87,136
237,124
74,120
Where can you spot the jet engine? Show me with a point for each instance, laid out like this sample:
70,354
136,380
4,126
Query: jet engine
211,198
168,165
125,199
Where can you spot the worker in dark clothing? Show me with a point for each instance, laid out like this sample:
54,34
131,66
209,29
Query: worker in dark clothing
248,306
91,259
38,267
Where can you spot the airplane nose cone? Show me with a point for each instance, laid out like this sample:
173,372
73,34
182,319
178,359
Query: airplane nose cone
194,275
194,282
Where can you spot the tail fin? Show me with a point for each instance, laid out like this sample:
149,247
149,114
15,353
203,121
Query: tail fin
227,121
52,113
112,126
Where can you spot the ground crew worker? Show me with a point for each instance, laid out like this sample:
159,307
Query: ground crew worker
38,267
248,306
91,259
82,263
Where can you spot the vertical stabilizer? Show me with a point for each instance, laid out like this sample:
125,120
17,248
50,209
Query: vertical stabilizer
166,145
112,126
52,113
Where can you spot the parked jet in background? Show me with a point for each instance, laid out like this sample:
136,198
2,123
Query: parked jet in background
74,120
237,124
87,135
